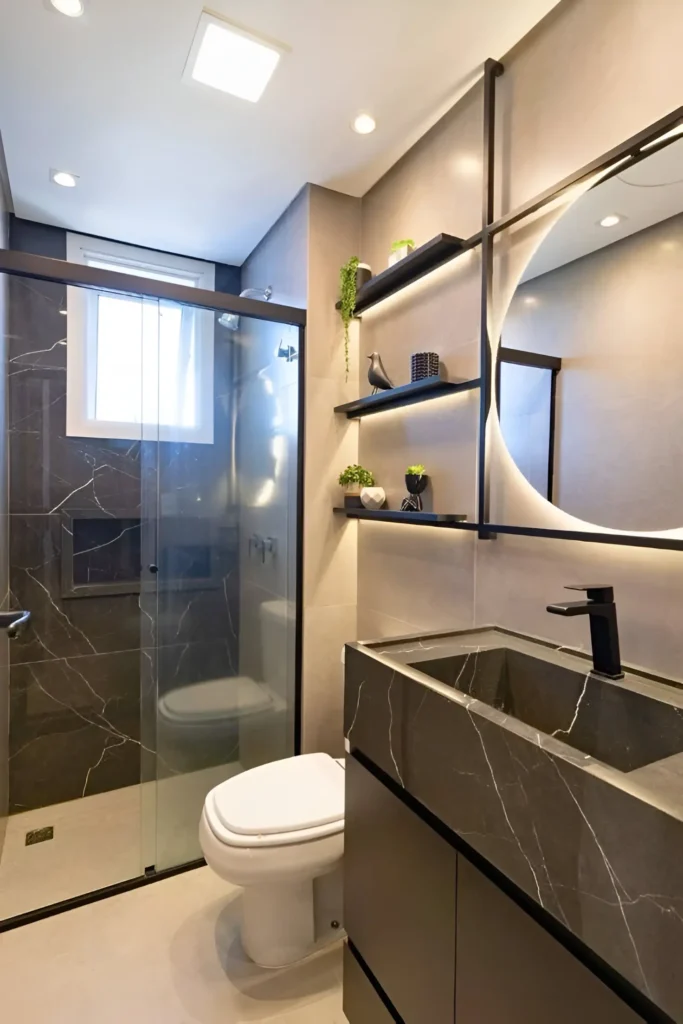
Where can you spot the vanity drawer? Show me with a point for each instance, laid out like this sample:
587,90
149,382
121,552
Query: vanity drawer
362,1005
510,970
399,902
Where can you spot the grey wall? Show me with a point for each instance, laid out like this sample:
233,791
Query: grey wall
614,319
553,118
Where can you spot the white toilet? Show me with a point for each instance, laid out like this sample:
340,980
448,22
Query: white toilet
278,831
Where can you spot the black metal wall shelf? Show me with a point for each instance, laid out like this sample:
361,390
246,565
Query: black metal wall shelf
387,515
406,394
434,253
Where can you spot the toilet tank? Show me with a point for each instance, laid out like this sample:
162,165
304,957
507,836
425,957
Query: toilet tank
278,619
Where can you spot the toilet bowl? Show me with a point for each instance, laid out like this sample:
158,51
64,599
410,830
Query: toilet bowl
278,831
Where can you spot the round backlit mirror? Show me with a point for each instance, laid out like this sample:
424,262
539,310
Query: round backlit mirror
590,368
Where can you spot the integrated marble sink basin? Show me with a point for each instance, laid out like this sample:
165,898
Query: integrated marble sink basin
616,725
568,784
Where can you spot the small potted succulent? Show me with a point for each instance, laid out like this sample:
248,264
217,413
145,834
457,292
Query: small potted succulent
416,482
400,249
353,480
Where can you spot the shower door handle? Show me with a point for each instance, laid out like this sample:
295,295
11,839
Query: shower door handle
14,622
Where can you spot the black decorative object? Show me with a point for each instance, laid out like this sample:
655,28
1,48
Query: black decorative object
424,364
377,375
416,484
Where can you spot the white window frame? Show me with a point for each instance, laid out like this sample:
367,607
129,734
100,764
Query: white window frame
81,364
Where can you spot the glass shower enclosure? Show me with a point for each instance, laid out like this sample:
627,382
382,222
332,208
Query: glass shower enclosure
151,526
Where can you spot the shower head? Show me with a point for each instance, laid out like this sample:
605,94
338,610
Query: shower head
231,320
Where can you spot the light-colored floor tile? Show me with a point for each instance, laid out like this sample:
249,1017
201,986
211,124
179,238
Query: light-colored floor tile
96,843
104,839
168,953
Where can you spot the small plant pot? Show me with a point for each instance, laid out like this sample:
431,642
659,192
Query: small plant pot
352,499
416,484
363,275
400,254
373,498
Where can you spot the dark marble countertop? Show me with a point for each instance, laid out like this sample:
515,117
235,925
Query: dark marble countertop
569,784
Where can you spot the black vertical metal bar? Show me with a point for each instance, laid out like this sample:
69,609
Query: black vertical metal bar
551,439
492,70
300,491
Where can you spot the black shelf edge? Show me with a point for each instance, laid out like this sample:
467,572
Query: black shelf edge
389,515
434,253
406,394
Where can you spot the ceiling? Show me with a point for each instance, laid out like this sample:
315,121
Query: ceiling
643,194
184,168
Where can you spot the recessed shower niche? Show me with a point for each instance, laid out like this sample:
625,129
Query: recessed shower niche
101,553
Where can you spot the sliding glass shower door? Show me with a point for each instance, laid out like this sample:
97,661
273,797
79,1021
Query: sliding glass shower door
150,528
218,586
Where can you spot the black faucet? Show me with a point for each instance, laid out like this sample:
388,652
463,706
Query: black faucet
602,610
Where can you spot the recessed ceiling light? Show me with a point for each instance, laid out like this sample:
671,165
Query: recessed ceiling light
227,58
64,179
72,8
364,124
610,220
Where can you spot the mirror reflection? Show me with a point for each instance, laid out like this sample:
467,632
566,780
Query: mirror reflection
590,369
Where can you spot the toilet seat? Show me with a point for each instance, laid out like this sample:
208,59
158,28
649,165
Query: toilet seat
284,803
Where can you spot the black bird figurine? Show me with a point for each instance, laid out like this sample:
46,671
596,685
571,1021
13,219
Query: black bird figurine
377,375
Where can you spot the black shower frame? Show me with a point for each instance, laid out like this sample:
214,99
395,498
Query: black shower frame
606,166
44,268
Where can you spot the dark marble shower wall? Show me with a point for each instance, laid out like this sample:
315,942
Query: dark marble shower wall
75,675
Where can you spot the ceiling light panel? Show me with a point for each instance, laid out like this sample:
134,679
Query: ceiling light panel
231,59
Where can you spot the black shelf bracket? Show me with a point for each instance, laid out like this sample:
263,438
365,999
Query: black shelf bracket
493,69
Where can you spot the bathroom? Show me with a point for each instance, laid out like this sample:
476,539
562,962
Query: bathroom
206,603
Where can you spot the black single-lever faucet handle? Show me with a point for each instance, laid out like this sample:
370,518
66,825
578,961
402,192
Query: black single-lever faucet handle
601,593
602,612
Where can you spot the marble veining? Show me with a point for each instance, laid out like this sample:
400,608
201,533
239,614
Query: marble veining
597,846
89,666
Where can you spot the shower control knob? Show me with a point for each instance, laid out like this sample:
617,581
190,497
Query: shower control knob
153,568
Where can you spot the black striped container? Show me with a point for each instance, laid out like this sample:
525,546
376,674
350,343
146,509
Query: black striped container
424,364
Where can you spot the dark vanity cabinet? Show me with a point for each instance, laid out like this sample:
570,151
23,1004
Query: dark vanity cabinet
399,899
441,942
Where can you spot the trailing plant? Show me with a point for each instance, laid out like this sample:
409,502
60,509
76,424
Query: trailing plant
415,470
347,301
356,475
395,246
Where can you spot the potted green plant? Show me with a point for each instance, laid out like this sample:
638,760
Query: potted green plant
416,482
400,249
352,276
353,480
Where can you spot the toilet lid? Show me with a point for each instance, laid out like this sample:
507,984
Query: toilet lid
214,699
284,796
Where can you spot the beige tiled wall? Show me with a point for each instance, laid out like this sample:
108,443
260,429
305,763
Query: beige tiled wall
591,74
300,257
330,547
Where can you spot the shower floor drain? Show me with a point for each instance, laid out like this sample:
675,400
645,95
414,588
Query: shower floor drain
40,835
